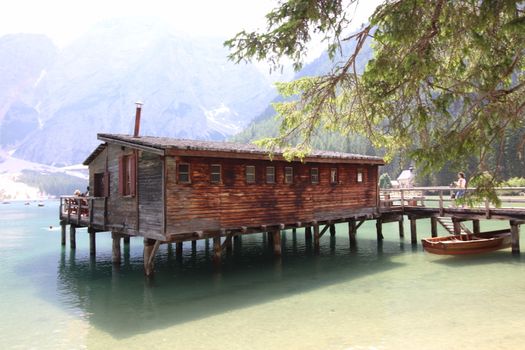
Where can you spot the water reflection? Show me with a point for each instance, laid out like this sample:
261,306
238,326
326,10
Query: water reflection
121,301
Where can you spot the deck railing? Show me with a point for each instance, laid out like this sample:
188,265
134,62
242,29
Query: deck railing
83,210
511,197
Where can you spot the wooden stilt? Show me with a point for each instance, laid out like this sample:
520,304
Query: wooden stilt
228,244
332,230
308,233
63,234
217,249
237,239
126,240
401,227
413,230
194,246
515,236
149,254
475,226
352,230
316,238
72,236
178,250
294,231
92,242
457,227
116,256
276,238
379,229
433,227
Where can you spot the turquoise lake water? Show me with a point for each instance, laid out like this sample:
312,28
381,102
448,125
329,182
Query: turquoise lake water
378,296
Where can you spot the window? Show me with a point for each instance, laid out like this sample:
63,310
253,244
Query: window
270,175
250,174
215,173
359,175
101,185
333,175
184,173
314,175
288,175
127,172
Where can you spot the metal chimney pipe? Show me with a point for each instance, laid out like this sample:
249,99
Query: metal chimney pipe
137,118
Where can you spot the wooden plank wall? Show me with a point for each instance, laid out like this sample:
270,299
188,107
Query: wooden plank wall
150,196
203,206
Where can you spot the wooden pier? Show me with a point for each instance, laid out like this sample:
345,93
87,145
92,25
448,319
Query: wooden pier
395,205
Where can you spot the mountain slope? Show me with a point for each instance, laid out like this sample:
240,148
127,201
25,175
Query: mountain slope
188,87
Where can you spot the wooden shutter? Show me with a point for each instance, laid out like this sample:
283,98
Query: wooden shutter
121,175
133,175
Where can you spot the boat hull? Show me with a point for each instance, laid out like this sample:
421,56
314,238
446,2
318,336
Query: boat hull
477,244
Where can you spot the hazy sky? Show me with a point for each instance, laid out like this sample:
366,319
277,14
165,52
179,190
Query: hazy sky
64,20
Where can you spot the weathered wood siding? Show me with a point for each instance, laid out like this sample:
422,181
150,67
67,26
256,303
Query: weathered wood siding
150,196
202,205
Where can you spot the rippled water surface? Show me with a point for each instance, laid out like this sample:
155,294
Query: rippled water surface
377,296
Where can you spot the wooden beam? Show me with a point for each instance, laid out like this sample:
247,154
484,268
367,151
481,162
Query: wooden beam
359,224
413,230
308,233
475,226
217,249
401,227
178,250
149,245
276,237
63,234
126,240
116,256
515,236
325,228
332,230
72,236
352,230
433,227
379,229
316,237
92,242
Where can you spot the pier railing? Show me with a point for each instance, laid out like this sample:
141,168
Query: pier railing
85,211
441,197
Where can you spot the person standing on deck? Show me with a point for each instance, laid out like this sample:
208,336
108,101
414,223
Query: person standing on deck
461,184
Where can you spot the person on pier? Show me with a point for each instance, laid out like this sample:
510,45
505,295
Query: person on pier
461,184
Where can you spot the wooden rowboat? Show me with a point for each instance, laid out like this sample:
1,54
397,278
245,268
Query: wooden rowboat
476,244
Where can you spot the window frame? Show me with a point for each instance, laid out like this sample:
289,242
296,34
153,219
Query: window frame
272,174
334,179
188,173
316,182
359,176
288,178
127,180
246,174
212,173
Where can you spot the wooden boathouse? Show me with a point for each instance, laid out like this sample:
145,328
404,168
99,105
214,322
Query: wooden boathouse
169,190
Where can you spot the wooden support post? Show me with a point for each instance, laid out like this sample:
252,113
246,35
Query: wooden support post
515,236
217,249
63,234
276,238
126,240
116,256
413,231
352,230
72,236
308,233
379,229
194,246
401,227
294,231
178,250
433,227
316,238
228,244
475,226
150,248
332,230
92,242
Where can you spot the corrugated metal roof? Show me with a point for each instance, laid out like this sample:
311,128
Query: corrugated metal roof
167,143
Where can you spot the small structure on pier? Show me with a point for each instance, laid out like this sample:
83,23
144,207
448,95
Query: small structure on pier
169,190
